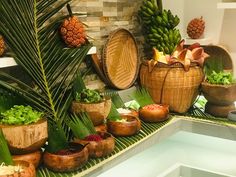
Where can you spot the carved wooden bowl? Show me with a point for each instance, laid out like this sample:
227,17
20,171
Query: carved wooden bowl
33,157
128,126
66,162
96,111
99,148
24,139
28,170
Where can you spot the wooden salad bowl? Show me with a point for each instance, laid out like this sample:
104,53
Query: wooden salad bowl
128,127
96,111
24,139
219,94
64,161
33,158
154,113
28,170
99,148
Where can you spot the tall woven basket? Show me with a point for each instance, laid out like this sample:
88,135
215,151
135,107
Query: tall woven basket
172,85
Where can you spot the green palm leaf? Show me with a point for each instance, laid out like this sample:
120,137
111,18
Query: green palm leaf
30,29
5,156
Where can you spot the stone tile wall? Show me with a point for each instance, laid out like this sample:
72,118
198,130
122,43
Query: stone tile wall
104,16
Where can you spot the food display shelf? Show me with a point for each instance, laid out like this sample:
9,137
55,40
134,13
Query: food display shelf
226,5
9,61
149,135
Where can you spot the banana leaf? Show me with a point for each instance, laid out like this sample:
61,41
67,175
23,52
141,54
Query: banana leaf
30,29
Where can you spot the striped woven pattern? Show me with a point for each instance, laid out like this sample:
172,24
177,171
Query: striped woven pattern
120,59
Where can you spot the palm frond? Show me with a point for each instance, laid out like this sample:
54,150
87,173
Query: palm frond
5,156
81,125
142,97
114,114
117,101
78,85
31,31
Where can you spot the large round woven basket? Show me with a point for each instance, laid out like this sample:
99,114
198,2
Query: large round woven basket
120,59
172,85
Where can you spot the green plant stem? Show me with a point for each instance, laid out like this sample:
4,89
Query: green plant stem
69,10
41,63
159,4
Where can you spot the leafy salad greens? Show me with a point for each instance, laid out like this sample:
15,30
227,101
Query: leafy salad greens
221,78
89,96
20,115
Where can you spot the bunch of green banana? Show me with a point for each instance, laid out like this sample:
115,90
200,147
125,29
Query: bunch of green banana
159,26
148,10
163,39
166,19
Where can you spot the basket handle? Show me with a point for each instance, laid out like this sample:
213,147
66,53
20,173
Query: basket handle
151,65
162,87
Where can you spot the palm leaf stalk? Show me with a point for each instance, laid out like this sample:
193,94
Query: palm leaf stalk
30,29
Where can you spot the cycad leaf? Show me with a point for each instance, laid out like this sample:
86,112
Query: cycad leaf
78,127
78,85
5,156
114,114
142,97
31,31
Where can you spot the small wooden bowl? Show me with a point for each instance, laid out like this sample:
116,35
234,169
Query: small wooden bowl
23,139
156,115
34,158
101,128
28,170
96,111
129,127
67,163
99,148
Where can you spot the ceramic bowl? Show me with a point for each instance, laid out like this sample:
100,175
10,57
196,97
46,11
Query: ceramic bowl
154,113
128,126
28,170
23,139
66,162
97,111
33,158
99,148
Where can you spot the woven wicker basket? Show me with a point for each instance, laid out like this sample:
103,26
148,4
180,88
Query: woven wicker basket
172,85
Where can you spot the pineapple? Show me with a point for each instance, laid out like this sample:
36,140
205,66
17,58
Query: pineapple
2,46
195,28
73,32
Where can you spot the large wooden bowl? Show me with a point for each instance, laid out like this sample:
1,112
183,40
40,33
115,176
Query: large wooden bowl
97,111
33,158
24,139
28,170
219,94
99,148
67,163
129,127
